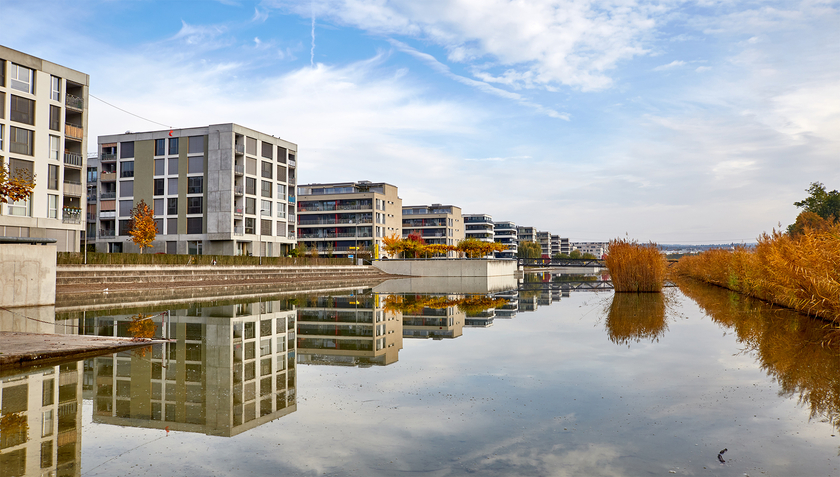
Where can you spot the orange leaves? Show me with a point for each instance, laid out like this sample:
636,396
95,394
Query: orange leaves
636,267
15,188
143,229
141,327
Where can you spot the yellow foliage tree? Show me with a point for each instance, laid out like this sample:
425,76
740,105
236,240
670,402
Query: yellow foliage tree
142,228
393,244
15,188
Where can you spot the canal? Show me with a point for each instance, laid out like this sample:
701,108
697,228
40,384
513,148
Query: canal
544,379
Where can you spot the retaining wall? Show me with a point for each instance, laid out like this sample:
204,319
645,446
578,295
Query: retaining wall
27,275
448,268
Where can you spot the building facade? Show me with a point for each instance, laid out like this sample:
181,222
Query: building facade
220,189
526,234
436,223
599,249
43,124
505,234
348,217
479,227
544,239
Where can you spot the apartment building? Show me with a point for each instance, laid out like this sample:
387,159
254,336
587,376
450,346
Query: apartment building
479,227
220,189
599,249
43,124
505,234
345,218
544,239
526,234
352,330
436,223
435,323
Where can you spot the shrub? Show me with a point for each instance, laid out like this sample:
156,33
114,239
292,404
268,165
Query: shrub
636,267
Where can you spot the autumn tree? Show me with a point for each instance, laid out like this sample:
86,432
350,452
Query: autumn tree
17,186
142,227
393,245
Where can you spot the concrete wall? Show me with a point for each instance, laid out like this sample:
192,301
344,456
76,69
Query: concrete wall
27,275
447,268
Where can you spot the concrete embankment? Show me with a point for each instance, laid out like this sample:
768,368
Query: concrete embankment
99,285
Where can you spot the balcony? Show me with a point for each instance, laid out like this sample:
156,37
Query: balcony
239,148
108,214
107,195
292,163
72,188
107,157
71,131
91,198
239,170
109,233
237,212
73,159
239,190
107,177
71,215
239,231
91,217
74,102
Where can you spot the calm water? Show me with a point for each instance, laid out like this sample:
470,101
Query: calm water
362,383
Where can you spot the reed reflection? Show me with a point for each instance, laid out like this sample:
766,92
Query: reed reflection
636,317
801,353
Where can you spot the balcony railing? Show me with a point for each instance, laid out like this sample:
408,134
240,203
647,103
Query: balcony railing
74,102
239,169
305,220
107,157
239,190
239,148
107,195
74,132
327,207
326,234
71,215
72,188
292,163
91,217
106,233
107,214
107,177
239,230
237,211
73,159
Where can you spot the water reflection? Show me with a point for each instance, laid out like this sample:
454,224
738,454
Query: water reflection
41,421
802,354
636,317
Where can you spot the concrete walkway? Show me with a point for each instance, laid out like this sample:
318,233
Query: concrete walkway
25,349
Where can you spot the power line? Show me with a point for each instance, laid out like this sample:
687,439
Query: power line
129,112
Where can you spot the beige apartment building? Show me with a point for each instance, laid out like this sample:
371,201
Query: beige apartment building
43,124
221,189
436,223
346,218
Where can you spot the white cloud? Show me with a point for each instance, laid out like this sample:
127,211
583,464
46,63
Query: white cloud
670,65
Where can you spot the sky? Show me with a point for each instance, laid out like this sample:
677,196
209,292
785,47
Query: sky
668,121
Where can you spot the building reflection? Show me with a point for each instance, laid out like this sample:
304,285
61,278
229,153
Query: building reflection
348,330
41,422
229,368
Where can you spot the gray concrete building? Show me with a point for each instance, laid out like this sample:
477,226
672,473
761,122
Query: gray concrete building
43,124
220,189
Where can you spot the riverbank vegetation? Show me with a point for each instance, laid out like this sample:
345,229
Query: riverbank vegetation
414,246
635,267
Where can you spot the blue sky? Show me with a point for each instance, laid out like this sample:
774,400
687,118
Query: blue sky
672,121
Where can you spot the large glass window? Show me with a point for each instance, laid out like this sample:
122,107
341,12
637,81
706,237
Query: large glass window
160,147
171,227
159,166
125,208
173,166
250,186
173,186
22,78
265,208
196,144
267,169
172,206
159,206
194,205
125,226
126,149
194,225
126,188
266,188
2,104
55,118
196,165
127,169
281,154
159,187
250,206
173,146
267,149
250,146
55,88
52,177
52,206
195,185
54,148
281,191
22,110
21,140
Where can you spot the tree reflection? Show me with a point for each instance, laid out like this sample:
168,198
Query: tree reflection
802,354
414,304
636,317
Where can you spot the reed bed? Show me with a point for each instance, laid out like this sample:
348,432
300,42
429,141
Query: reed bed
635,267
636,316
800,272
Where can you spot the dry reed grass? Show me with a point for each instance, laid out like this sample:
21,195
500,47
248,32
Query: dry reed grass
801,272
636,267
636,316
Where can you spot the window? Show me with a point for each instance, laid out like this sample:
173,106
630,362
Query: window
2,73
159,187
52,177
22,78
250,186
195,185
194,247
158,206
21,208
127,169
22,110
267,149
173,166
126,188
173,186
281,191
1,137
171,229
2,103
267,170
194,225
125,226
196,165
251,146
159,165
160,147
55,88
249,225
281,155
194,206
265,227
250,166
250,206
159,226
196,144
18,166
265,208
266,188
52,206
172,206
126,149
173,146
55,118
125,208
281,210
54,147
281,229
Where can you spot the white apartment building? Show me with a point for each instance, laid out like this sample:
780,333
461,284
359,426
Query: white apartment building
505,234
221,189
479,227
43,124
599,249
346,218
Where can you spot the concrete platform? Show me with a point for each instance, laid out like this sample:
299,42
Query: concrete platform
18,350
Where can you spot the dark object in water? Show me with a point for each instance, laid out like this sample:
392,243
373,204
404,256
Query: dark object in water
720,456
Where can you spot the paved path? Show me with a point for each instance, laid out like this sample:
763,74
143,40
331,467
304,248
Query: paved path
24,349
